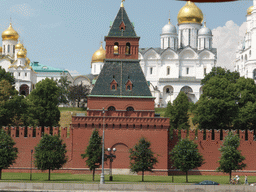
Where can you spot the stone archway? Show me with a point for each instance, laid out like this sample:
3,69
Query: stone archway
24,90
122,161
189,92
167,94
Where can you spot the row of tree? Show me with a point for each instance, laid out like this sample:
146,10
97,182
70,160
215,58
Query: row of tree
40,107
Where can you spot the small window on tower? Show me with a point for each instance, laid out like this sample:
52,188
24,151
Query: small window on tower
116,48
129,87
151,70
13,48
204,71
19,74
25,74
8,48
113,87
4,48
127,49
167,90
187,70
168,71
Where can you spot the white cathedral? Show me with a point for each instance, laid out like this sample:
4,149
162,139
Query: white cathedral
245,62
182,61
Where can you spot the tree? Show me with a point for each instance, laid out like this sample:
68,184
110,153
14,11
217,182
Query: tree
63,85
93,152
141,157
185,156
8,153
231,158
6,76
178,112
44,104
77,93
50,153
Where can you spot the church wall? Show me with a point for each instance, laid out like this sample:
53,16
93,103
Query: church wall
4,63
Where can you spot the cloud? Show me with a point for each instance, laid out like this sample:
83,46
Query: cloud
23,9
226,40
73,72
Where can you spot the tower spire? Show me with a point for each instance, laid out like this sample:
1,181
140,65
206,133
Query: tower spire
122,3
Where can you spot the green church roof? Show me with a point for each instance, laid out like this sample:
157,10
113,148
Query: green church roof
129,29
44,68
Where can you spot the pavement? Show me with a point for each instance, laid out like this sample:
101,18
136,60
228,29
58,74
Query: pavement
78,187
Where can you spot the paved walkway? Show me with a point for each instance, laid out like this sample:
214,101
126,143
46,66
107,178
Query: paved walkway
62,187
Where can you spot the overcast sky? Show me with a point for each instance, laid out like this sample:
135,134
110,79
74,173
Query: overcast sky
65,33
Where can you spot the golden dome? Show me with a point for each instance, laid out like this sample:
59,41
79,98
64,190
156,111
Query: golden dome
19,46
249,10
21,54
99,55
25,50
190,13
27,61
10,34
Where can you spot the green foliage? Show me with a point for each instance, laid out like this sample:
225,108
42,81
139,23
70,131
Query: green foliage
44,101
50,153
178,112
93,152
77,93
63,85
185,156
231,158
6,76
8,153
141,157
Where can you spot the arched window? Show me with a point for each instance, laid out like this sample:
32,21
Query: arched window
242,58
129,109
254,74
116,48
167,90
113,87
128,49
8,49
13,49
129,87
111,108
250,53
245,58
168,71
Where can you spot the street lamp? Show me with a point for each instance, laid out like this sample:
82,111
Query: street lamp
102,180
111,156
31,165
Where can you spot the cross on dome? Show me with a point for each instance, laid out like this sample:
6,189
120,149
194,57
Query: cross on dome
122,3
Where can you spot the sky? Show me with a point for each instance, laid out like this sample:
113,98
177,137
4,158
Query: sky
65,33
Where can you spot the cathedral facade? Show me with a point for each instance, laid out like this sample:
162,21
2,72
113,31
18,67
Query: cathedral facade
180,63
245,62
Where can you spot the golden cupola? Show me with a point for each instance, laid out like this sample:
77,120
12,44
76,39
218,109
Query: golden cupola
99,55
19,46
27,61
21,54
190,13
10,34
249,10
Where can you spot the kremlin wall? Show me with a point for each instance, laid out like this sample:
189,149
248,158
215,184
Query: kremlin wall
123,138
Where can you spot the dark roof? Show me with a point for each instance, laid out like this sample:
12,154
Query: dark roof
129,29
121,71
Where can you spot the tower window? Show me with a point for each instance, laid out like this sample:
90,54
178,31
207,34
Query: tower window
129,87
204,71
19,74
250,53
113,87
116,48
25,74
111,108
168,71
4,48
128,49
8,48
187,70
151,70
129,109
13,48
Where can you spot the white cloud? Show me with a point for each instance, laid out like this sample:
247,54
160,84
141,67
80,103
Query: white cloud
226,40
73,72
23,9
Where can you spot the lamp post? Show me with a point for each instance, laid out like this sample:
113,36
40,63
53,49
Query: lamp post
31,165
111,156
102,180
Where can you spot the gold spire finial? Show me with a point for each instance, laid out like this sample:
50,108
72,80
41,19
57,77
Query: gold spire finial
169,17
122,3
204,23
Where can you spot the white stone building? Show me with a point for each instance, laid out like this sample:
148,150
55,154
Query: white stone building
183,59
245,62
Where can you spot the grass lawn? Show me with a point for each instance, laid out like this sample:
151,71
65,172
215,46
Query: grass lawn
80,178
161,111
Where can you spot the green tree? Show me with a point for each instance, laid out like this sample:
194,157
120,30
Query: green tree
141,157
44,104
178,112
63,85
78,93
8,153
6,76
93,152
50,153
231,158
185,156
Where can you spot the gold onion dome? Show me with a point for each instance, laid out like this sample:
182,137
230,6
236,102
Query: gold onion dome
21,54
28,61
249,10
99,55
19,46
10,34
190,13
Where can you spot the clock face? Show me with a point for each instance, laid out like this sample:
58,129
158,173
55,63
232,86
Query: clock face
209,1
